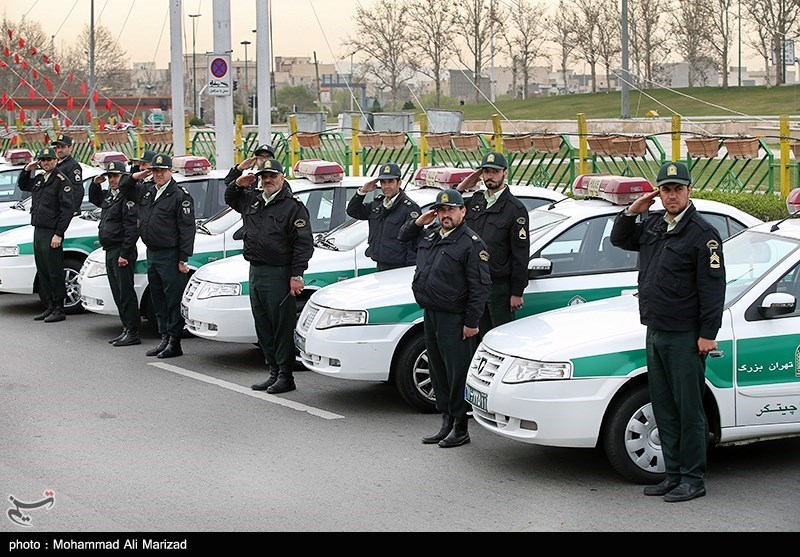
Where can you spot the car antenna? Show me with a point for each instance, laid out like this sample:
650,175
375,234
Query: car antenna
554,203
780,222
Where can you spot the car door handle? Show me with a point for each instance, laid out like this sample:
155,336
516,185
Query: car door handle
716,354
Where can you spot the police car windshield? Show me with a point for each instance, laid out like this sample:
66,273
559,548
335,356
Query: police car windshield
220,222
344,237
541,220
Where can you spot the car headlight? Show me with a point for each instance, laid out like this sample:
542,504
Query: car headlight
215,290
522,371
339,318
96,269
9,251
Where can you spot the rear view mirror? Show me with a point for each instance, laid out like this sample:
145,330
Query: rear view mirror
538,267
777,304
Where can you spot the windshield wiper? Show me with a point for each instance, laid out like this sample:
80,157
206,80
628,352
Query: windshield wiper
203,228
323,242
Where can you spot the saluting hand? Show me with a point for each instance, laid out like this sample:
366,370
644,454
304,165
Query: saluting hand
369,186
470,182
99,179
425,218
247,164
246,180
644,202
142,174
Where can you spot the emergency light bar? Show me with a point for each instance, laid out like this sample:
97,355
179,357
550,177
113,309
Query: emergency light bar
442,177
319,171
101,158
190,165
18,156
619,190
793,201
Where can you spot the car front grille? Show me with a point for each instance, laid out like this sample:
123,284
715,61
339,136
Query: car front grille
484,365
307,317
191,289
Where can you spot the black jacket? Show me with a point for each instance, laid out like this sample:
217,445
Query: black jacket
73,171
452,273
681,272
277,233
164,223
118,221
52,202
384,227
504,228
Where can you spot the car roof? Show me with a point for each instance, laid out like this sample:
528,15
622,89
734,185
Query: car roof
786,228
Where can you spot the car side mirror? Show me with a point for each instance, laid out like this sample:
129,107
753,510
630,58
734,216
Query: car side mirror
539,267
239,234
777,304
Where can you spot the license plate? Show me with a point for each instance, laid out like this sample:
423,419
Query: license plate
475,398
184,311
299,342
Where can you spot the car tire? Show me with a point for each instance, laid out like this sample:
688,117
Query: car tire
412,375
72,303
630,438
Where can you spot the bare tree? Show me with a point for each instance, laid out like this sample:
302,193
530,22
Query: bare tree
761,39
475,18
720,34
586,36
562,33
432,24
649,45
689,24
609,41
35,40
385,39
778,18
110,60
525,39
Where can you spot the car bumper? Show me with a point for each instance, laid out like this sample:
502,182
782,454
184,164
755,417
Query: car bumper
224,319
96,294
362,353
17,274
565,413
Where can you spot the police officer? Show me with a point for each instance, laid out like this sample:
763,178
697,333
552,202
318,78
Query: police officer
451,283
143,162
501,220
260,155
681,297
51,212
118,233
167,227
386,214
278,244
70,168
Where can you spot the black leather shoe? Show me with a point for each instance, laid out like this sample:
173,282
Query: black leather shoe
46,313
661,488
160,348
458,436
684,492
273,376
57,315
172,350
284,384
131,338
447,425
119,336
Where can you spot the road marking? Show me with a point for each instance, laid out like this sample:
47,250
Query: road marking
249,392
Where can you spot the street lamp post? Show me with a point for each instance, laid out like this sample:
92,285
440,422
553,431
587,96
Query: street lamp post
246,92
255,96
352,91
194,62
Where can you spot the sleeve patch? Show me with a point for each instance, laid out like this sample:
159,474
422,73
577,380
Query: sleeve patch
299,223
484,255
523,234
187,203
414,215
521,220
67,189
714,260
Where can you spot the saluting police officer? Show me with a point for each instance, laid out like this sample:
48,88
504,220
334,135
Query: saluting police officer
71,169
387,214
260,155
167,227
118,233
142,162
51,212
451,283
501,220
278,244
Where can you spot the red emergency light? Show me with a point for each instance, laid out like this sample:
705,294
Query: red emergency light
319,171
619,190
101,158
190,165
793,201
442,177
18,156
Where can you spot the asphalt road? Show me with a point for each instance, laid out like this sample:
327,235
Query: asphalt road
128,443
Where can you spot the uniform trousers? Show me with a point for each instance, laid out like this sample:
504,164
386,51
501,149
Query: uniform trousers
498,306
676,376
49,266
449,356
167,284
274,313
120,279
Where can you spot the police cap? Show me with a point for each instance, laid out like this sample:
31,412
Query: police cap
495,160
62,139
264,150
270,165
147,156
673,173
46,153
390,171
449,198
115,167
162,161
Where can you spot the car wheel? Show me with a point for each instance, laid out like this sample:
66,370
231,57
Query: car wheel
630,438
412,375
72,303
148,310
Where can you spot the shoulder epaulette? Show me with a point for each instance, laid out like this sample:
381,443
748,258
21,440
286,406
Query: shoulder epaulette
183,188
61,177
296,198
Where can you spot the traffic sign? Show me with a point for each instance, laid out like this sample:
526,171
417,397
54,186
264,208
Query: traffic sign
219,75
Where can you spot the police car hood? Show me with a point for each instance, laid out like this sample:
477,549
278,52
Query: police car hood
15,217
387,288
600,327
17,236
230,269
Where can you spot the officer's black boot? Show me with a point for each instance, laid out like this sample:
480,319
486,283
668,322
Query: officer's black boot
458,435
57,315
447,425
160,348
173,348
46,313
285,382
130,338
273,376
119,336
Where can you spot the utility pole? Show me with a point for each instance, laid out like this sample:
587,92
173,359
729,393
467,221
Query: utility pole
177,78
319,91
223,105
263,73
194,62
625,109
491,52
246,90
92,107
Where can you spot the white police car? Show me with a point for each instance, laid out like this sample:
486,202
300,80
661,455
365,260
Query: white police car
370,328
578,377
17,265
14,160
321,186
217,302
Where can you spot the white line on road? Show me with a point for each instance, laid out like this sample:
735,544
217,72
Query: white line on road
245,391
